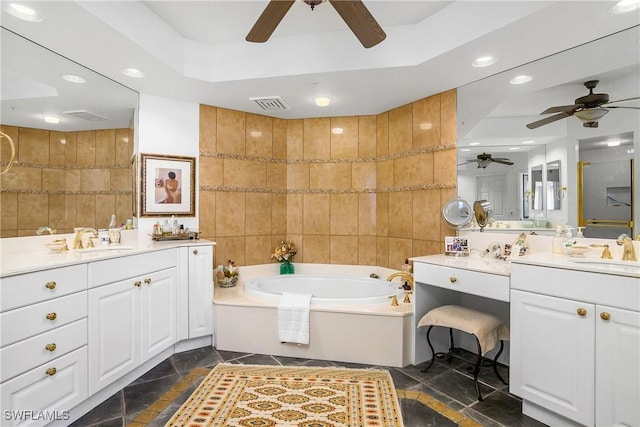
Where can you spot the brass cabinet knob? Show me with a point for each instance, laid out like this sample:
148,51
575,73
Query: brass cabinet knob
50,347
581,311
50,285
605,316
453,279
147,280
51,371
137,283
52,316
195,252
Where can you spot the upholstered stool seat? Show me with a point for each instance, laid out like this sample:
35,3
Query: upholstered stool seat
487,329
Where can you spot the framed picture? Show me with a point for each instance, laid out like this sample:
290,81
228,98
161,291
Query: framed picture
167,185
456,246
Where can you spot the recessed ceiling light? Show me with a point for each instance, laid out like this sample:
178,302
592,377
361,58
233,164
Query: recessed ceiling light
23,12
322,101
465,149
484,61
133,72
474,143
528,142
625,6
337,131
52,119
518,80
514,148
74,78
613,143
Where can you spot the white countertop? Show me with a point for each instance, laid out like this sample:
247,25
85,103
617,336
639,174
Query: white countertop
472,262
29,254
590,262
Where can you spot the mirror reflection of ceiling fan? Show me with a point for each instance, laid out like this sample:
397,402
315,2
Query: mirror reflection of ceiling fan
354,13
589,108
485,160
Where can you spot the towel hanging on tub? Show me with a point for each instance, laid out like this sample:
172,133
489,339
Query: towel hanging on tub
293,318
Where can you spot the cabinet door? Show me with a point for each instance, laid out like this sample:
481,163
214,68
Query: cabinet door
552,354
114,331
617,367
200,291
157,312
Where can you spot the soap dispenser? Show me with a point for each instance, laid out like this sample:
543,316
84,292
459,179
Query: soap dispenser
557,243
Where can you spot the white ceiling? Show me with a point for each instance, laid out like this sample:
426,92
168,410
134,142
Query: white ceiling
195,50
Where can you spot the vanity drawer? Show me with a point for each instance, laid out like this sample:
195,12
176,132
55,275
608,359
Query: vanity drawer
27,354
30,288
38,390
29,321
487,285
117,269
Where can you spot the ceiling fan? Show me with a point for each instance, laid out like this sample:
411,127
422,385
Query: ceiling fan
353,12
485,160
589,108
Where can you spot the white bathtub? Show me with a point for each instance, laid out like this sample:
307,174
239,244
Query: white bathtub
326,290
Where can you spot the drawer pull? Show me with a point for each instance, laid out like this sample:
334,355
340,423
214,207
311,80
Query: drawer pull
137,283
51,371
50,285
453,279
581,312
147,280
605,316
50,347
195,252
52,316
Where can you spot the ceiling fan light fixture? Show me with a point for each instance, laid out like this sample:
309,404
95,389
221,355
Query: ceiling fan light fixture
624,6
591,114
484,61
322,101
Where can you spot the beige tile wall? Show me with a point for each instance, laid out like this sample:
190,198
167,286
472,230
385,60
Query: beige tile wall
370,195
78,183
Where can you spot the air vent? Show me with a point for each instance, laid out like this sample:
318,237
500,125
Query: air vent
271,103
86,115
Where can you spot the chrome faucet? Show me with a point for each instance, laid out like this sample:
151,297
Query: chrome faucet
77,241
407,277
628,251
45,230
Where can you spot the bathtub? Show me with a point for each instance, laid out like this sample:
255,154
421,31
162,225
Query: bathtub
351,317
326,290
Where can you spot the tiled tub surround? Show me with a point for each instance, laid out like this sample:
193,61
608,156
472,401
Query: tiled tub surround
80,182
370,195
379,334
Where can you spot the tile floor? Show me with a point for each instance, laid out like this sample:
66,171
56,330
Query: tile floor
448,382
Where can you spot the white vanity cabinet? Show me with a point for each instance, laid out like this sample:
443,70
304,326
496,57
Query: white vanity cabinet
132,313
43,351
575,346
200,291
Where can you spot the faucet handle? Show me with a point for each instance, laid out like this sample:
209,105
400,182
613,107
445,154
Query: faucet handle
406,297
606,253
394,300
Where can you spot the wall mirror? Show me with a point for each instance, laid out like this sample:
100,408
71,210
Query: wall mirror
493,116
73,130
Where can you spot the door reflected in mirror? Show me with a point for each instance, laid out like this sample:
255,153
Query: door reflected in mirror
554,189
537,196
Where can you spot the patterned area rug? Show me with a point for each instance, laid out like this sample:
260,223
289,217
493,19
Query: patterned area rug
266,396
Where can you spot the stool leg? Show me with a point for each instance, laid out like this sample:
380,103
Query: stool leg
495,368
476,369
433,352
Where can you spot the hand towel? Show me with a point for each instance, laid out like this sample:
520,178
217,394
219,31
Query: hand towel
293,318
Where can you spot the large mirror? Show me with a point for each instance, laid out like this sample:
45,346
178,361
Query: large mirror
541,187
73,131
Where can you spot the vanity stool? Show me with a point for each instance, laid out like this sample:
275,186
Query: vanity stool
486,328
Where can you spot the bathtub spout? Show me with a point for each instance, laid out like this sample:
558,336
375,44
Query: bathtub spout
406,277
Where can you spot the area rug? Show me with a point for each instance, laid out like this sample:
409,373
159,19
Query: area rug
270,396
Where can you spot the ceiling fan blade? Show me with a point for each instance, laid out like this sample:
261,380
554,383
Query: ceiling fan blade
622,106
560,109
356,15
503,161
269,20
621,100
548,120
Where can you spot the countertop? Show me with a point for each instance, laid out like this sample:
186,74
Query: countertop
29,254
472,262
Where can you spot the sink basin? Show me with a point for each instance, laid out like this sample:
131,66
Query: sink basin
615,266
600,261
104,248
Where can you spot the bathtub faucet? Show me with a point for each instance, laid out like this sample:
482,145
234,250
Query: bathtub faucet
406,277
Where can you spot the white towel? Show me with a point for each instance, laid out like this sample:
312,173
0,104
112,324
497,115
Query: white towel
293,318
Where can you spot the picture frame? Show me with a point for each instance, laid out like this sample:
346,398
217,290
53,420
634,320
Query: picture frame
167,185
456,246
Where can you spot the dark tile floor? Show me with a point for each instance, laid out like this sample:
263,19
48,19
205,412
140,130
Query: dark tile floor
447,382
